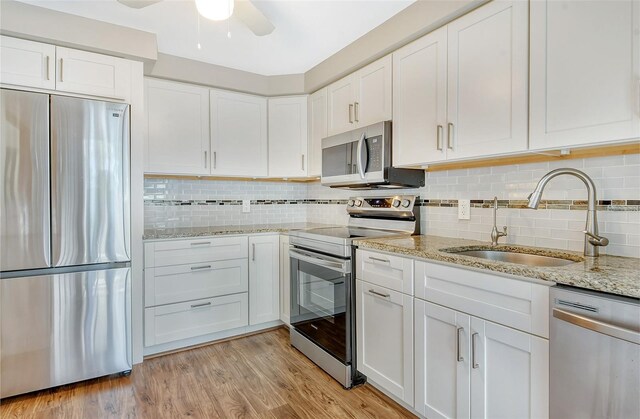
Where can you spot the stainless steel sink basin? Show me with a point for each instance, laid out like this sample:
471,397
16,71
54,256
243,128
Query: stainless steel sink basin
514,257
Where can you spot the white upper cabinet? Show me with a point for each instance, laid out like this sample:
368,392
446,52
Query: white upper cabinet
585,72
362,98
27,63
487,81
340,96
373,100
420,100
238,134
317,122
264,278
178,128
288,137
91,74
460,92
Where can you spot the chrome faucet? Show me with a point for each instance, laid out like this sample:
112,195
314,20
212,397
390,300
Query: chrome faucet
591,239
495,234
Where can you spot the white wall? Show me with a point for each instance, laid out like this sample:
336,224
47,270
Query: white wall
617,178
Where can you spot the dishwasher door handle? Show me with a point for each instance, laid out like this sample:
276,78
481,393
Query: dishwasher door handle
629,335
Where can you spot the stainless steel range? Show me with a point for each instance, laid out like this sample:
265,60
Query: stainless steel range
323,280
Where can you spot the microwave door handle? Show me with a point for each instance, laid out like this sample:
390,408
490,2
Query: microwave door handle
362,156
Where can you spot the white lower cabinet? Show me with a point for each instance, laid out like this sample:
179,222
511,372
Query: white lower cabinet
173,322
470,367
264,278
384,324
285,281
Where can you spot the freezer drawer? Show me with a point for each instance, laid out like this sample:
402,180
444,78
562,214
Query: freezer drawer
59,329
90,174
24,180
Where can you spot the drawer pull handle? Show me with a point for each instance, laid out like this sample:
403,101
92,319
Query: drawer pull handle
380,260
474,363
379,294
195,268
200,243
200,305
459,356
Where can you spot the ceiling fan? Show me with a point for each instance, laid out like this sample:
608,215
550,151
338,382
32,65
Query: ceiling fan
249,14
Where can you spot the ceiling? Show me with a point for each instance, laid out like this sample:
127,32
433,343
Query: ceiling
307,31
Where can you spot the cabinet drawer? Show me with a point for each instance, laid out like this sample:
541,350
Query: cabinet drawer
183,252
518,304
173,284
185,320
388,271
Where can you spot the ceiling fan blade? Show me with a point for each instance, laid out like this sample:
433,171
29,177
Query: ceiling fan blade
252,17
138,4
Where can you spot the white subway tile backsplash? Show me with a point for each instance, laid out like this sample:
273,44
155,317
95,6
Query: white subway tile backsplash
616,178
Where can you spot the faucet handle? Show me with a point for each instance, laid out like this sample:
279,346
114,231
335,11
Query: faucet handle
596,240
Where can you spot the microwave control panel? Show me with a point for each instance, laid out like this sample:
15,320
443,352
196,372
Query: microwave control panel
374,148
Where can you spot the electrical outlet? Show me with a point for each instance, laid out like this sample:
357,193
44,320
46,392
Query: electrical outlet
464,209
246,205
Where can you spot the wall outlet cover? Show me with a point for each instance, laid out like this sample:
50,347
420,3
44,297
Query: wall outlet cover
464,209
246,205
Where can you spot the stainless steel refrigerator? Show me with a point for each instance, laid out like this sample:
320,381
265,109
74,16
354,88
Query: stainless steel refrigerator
65,277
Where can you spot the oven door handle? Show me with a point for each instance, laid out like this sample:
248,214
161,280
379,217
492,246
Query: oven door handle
320,261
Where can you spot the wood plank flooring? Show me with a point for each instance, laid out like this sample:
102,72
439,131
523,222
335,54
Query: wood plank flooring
259,376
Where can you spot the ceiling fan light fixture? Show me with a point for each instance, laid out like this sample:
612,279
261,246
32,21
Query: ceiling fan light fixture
215,9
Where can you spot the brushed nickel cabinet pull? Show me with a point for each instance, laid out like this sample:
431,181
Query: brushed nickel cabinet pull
214,159
460,358
205,159
351,113
253,251
201,305
356,107
439,131
61,69
195,268
379,259
450,137
303,162
200,243
379,294
48,71
474,363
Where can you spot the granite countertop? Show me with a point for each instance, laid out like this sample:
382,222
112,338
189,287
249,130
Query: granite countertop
186,232
612,274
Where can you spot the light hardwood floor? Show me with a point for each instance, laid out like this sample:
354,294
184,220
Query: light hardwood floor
259,376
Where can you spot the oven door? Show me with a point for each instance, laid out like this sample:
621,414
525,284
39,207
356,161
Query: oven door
355,157
320,301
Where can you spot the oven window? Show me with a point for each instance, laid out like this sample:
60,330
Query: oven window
319,306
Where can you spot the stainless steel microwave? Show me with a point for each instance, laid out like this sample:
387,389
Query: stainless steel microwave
361,159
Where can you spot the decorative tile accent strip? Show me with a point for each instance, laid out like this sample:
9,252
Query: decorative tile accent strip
565,204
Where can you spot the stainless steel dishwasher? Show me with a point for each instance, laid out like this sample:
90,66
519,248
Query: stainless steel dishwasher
595,355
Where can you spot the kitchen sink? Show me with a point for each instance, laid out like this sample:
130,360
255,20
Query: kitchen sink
515,257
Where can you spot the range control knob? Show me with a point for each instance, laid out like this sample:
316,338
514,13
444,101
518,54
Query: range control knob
350,203
396,203
358,203
406,203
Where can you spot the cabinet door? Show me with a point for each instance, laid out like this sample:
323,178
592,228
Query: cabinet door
27,63
585,72
442,361
178,128
373,100
487,80
285,281
509,372
288,137
385,338
92,74
317,121
238,134
341,98
264,279
420,100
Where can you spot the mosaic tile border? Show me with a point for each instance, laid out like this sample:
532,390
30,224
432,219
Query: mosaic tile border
568,204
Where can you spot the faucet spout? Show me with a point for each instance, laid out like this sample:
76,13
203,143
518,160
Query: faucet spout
591,240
